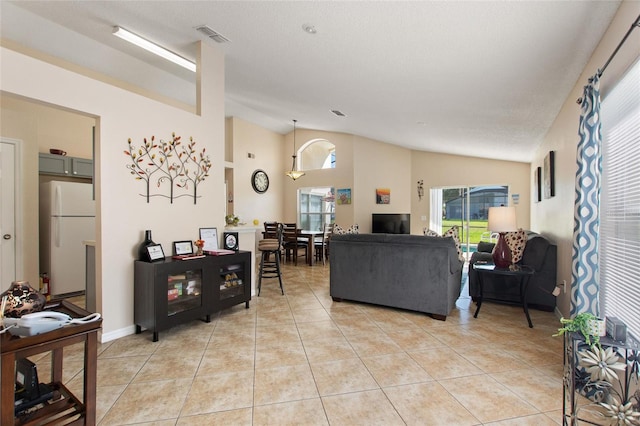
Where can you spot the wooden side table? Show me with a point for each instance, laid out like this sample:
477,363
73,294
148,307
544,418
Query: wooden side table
13,348
523,272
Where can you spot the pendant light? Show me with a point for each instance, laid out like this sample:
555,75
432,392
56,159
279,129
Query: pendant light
293,173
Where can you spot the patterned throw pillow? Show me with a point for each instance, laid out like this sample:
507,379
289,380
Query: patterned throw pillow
516,242
355,229
338,230
429,233
453,233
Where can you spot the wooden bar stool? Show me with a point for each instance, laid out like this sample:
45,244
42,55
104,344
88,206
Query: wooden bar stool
270,268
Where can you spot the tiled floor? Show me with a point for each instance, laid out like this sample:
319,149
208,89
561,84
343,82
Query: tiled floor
303,359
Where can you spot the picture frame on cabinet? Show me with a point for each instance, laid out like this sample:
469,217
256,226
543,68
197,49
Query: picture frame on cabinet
155,252
210,238
181,248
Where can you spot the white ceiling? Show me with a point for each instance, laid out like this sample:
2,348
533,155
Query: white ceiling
484,79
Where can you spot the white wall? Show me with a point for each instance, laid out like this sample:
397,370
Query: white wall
123,214
554,216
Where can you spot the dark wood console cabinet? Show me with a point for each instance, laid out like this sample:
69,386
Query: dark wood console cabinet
172,292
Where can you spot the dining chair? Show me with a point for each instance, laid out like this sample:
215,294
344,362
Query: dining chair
321,244
271,268
292,244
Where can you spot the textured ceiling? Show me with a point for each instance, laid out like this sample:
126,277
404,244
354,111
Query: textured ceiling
484,79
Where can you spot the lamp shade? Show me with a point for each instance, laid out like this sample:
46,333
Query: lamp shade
502,219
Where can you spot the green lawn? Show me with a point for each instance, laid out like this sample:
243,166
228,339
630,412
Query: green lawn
476,229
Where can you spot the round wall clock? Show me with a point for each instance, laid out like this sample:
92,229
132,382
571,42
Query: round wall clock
260,181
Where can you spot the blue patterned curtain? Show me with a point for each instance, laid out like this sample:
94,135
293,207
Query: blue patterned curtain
585,284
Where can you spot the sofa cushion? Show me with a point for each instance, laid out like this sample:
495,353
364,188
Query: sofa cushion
353,229
516,242
451,232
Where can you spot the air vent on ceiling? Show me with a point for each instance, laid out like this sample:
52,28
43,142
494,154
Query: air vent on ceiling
338,113
212,34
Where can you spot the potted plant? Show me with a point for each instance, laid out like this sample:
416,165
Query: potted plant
586,323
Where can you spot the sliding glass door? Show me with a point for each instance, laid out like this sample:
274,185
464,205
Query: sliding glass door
467,207
316,206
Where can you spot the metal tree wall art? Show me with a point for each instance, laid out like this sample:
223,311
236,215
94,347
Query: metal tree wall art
169,163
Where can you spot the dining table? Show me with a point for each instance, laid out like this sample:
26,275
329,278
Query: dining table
309,236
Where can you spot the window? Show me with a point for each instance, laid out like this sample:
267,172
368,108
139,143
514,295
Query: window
317,207
317,154
620,202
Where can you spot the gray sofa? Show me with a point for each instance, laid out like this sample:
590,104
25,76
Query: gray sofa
539,253
411,272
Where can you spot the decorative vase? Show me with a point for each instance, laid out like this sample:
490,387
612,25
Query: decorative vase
598,327
142,248
501,253
22,299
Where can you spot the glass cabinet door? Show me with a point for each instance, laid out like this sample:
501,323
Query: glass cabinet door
184,291
231,281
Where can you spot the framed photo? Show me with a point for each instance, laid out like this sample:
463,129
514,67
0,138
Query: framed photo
549,175
155,252
182,247
210,238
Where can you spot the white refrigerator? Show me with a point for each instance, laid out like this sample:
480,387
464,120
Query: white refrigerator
67,218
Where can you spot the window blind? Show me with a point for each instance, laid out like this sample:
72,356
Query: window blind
620,202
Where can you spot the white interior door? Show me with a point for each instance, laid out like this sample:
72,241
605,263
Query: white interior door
8,241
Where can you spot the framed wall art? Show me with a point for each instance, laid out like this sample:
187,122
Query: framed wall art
344,196
549,175
383,196
537,185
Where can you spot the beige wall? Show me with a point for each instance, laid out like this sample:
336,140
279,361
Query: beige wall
443,171
267,147
123,214
554,217
379,165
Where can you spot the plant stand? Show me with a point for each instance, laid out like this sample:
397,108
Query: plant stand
583,397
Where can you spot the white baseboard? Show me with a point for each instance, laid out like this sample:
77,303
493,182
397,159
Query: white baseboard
113,335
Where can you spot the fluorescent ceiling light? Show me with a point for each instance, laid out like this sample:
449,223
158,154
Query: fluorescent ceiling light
153,48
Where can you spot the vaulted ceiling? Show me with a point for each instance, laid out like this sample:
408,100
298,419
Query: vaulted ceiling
481,78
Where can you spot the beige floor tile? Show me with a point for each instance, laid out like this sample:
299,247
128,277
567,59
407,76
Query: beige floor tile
414,339
347,375
119,371
488,359
280,356
319,330
280,335
240,417
283,384
163,367
395,369
428,404
310,315
444,363
487,399
373,344
133,345
361,408
543,392
307,412
535,420
219,392
330,349
227,359
275,317
106,396
140,402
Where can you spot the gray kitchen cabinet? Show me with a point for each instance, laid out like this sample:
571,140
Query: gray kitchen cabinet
51,164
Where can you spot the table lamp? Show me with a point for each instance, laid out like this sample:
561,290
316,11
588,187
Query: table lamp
502,220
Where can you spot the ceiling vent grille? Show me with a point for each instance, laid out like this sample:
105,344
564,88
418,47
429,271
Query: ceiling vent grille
212,34
338,113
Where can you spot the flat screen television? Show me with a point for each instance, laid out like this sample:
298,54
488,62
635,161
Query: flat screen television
391,223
